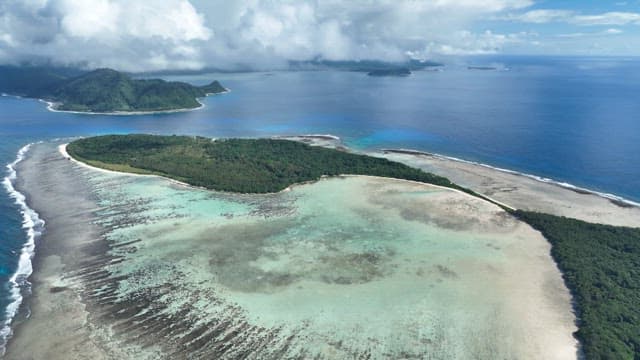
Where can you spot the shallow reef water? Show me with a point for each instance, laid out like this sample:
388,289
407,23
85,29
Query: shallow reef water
347,267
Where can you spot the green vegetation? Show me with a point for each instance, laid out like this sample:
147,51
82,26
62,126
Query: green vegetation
601,267
237,165
107,90
600,263
103,90
30,81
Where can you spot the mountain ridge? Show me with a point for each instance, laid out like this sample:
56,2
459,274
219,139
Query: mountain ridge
107,90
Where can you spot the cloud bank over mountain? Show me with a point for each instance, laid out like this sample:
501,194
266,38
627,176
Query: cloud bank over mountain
137,35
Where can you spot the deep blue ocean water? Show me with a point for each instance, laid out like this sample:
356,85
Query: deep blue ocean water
575,120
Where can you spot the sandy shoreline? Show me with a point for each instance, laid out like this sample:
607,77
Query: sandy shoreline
620,201
63,150
51,106
525,192
56,311
79,337
510,188
64,327
502,186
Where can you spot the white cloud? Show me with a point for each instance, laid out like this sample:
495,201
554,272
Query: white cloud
607,32
553,15
609,18
128,34
189,34
88,19
468,43
613,31
337,30
539,16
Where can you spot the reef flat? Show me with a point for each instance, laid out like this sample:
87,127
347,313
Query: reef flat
346,267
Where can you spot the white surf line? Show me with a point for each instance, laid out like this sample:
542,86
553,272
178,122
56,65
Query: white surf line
310,136
51,106
541,179
33,226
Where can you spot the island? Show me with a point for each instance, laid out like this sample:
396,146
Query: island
236,165
598,262
391,72
104,91
365,65
481,67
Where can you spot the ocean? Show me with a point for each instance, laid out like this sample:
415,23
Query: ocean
571,120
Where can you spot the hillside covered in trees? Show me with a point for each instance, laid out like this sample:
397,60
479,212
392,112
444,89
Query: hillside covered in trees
103,90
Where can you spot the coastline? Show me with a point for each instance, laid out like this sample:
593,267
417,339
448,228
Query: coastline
508,187
526,192
618,200
70,238
63,150
33,226
51,106
309,136
69,314
504,187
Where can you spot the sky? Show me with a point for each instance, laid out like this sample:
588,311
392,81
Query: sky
142,35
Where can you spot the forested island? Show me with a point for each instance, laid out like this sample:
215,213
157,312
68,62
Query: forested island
103,90
236,165
600,263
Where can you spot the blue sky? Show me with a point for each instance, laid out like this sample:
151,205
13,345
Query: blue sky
142,35
566,27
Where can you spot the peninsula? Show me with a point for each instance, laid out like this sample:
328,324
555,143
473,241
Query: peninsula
105,91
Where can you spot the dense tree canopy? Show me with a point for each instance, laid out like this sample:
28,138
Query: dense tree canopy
238,165
102,90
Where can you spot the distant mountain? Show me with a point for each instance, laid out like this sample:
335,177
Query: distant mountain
105,90
475,67
363,65
30,81
390,72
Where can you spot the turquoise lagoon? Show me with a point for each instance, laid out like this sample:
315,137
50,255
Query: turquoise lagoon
346,267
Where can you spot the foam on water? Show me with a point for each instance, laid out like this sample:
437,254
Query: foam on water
542,179
33,226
